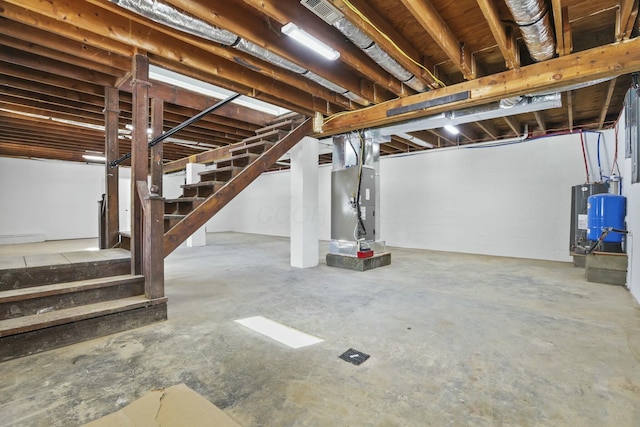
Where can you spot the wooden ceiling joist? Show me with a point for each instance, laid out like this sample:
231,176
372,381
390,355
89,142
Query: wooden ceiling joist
504,36
427,15
607,102
411,56
102,22
284,13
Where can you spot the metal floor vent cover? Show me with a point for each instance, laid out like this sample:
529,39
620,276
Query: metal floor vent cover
354,356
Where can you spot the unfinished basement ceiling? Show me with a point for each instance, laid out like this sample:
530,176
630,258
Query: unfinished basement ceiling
56,59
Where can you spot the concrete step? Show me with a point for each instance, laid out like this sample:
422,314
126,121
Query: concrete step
45,298
27,335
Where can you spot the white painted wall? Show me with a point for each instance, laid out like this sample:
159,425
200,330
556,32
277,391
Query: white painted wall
56,199
632,193
510,200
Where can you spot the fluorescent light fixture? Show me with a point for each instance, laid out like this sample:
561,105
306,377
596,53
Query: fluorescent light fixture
94,158
279,332
207,89
451,129
310,41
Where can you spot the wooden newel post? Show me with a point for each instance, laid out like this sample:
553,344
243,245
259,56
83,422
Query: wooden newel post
153,237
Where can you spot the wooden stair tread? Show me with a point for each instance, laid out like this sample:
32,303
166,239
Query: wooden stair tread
203,184
255,144
184,199
279,125
174,216
67,287
264,136
287,116
125,233
224,169
34,322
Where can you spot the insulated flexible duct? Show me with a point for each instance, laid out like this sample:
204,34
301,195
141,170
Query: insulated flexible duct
533,19
174,18
381,57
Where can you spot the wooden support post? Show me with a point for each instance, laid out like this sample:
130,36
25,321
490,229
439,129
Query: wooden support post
153,257
111,112
157,118
139,156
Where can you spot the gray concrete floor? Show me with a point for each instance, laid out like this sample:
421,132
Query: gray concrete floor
454,339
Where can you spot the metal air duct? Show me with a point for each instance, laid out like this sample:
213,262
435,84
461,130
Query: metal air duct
174,18
532,17
332,16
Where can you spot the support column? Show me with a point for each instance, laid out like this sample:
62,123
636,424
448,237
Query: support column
199,237
304,203
111,151
139,156
157,118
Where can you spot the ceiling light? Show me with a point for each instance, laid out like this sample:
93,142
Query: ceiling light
94,158
310,42
451,129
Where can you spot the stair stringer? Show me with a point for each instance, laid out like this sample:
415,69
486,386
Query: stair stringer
214,203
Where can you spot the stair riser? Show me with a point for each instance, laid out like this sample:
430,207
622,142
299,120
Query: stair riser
181,208
35,276
32,306
222,176
20,345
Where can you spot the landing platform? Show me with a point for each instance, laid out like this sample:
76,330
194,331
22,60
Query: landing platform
19,271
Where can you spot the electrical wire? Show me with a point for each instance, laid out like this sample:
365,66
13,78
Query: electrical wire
599,165
358,209
387,38
584,155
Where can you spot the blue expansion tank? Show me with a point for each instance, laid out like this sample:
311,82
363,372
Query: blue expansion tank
604,211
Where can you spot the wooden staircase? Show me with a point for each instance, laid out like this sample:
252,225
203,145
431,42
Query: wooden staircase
49,306
246,161
53,305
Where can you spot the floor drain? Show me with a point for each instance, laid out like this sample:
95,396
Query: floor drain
354,356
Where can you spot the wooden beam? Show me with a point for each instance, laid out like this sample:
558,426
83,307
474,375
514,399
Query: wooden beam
601,62
489,129
199,216
558,20
567,39
57,43
109,25
36,62
111,111
429,18
157,119
251,27
235,56
284,12
541,124
514,124
412,57
626,19
139,155
503,35
607,102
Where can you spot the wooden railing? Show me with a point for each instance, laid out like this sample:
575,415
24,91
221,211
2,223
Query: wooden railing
152,240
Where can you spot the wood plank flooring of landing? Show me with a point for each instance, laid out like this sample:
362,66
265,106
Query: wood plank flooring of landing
453,339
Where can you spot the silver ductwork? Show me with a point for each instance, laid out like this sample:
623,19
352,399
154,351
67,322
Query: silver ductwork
381,57
533,19
174,18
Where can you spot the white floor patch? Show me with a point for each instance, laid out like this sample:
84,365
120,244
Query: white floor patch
279,332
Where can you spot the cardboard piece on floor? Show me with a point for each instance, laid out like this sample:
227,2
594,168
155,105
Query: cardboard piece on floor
175,406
